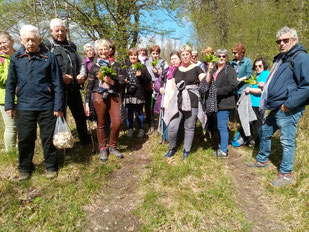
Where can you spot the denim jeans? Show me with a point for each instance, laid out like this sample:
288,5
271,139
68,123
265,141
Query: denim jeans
286,122
222,120
138,108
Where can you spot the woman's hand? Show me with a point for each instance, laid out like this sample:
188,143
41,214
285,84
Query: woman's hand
247,90
240,79
87,110
261,85
138,73
155,70
162,91
108,80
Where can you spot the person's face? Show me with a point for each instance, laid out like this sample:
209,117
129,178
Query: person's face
59,33
259,67
112,52
133,58
236,54
6,45
222,58
155,55
186,57
194,58
285,43
175,61
90,52
103,52
142,53
31,42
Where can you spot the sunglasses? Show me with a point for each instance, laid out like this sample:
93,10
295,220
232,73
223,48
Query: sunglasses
285,41
234,53
259,66
224,56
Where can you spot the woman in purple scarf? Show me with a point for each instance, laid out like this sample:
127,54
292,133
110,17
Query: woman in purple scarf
165,89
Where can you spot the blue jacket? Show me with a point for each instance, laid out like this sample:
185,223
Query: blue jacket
288,87
243,68
36,79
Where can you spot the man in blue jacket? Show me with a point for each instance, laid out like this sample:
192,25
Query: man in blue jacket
35,77
285,94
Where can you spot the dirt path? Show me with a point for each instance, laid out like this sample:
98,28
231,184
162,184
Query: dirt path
251,195
112,211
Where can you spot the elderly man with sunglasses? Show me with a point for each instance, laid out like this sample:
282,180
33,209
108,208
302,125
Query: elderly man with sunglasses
285,94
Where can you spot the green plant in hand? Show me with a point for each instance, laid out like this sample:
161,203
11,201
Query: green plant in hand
252,80
154,63
106,71
210,58
138,66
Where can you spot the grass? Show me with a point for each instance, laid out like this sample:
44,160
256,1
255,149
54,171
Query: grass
195,195
43,205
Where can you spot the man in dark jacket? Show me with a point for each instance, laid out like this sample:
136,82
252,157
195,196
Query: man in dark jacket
35,76
70,64
285,94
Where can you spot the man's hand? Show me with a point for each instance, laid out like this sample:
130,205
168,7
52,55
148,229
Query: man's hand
284,108
80,79
58,114
67,79
11,113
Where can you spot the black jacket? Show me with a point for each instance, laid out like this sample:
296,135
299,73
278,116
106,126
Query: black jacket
226,83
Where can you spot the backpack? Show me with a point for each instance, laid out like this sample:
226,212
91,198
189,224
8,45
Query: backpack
291,66
238,140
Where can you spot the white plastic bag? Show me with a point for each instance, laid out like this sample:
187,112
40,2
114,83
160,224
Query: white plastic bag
62,135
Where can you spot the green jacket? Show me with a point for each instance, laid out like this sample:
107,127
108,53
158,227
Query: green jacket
4,68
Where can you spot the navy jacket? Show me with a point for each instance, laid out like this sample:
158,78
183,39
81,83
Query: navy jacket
36,79
288,87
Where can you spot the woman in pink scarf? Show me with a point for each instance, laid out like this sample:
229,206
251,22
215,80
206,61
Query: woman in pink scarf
165,89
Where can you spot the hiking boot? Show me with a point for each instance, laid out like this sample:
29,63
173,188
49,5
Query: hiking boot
24,176
185,154
51,175
130,133
141,133
170,153
115,152
104,154
221,154
282,180
257,164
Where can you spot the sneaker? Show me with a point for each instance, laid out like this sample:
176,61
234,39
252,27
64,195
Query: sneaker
257,164
130,133
185,154
170,153
221,154
115,152
282,180
141,133
24,176
104,155
51,175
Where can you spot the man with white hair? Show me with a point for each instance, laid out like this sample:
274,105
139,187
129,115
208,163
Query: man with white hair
70,64
285,94
35,77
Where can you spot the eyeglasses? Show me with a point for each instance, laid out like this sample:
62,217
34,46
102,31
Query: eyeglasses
259,66
234,53
223,56
285,41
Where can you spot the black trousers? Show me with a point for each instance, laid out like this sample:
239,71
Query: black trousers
148,109
27,126
74,102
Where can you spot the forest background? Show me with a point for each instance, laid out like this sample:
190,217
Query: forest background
216,23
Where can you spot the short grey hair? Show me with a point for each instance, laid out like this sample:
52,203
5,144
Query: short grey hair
101,42
185,48
194,52
88,45
56,22
285,30
221,51
30,28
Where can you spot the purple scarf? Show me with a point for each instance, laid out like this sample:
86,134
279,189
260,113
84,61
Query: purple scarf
171,70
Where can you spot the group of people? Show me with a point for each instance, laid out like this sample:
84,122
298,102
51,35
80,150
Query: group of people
41,79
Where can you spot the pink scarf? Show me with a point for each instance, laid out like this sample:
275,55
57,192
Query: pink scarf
171,70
